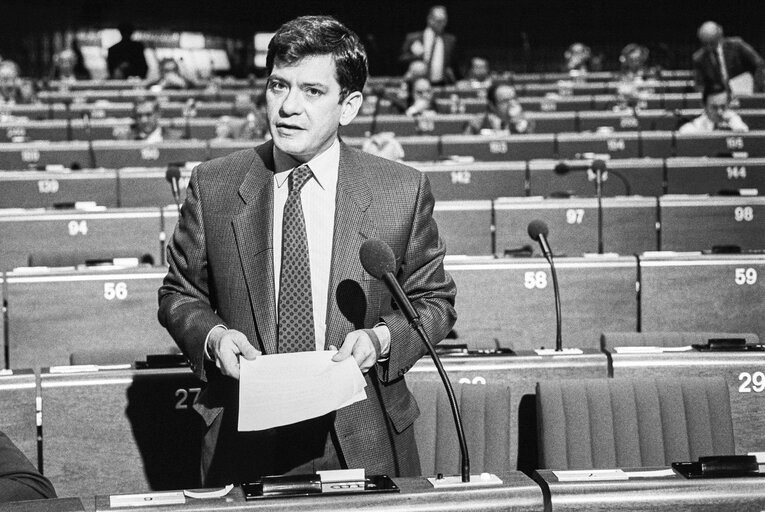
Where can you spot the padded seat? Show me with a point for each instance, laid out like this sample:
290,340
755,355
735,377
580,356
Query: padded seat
610,423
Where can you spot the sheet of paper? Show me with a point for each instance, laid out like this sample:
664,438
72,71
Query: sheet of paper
281,389
587,475
651,473
651,349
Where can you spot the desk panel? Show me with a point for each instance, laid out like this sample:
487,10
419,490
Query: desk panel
116,154
465,226
120,431
148,186
417,148
417,494
475,180
747,400
25,131
713,175
45,189
703,294
19,156
718,144
617,145
697,223
18,392
510,302
629,224
645,177
513,147
52,315
73,236
403,125
48,505
673,494
521,372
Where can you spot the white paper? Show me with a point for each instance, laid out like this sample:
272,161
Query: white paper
651,473
587,475
651,349
203,494
281,389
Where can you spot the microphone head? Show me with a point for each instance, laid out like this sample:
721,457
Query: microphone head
537,228
561,168
173,173
377,258
599,165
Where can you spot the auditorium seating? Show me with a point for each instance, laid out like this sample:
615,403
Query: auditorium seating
612,423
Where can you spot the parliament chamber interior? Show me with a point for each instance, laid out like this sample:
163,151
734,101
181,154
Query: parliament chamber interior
614,362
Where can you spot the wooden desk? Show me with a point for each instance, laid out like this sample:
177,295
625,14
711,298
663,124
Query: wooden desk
45,189
742,370
518,493
50,505
712,175
674,493
521,372
474,180
465,227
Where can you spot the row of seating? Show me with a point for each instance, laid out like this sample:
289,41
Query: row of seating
651,177
505,303
204,128
420,148
520,416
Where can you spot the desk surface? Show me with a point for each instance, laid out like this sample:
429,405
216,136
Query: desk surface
518,491
673,493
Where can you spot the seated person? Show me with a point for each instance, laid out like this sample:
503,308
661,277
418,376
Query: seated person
170,77
145,125
384,144
421,101
67,67
504,114
577,59
634,63
19,480
250,121
13,89
478,76
717,115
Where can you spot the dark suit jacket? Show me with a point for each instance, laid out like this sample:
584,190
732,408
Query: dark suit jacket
739,58
221,271
451,70
19,480
128,56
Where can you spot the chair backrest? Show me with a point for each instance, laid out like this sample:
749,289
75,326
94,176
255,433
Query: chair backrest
485,411
609,423
668,339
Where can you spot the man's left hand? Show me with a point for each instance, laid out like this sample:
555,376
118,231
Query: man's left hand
359,345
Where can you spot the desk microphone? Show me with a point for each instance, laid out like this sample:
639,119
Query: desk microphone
189,111
89,133
538,232
377,258
173,175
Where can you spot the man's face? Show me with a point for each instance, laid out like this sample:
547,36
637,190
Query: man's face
8,78
422,90
146,118
479,69
717,107
437,20
504,97
304,107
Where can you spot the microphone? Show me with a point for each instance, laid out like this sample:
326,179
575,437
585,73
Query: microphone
377,258
189,111
89,133
173,175
538,232
596,165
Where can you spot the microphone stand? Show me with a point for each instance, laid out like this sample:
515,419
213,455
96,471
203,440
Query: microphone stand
599,194
556,292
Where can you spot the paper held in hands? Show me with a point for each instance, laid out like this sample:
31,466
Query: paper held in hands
282,389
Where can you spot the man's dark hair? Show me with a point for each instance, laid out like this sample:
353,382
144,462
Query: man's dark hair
712,91
308,36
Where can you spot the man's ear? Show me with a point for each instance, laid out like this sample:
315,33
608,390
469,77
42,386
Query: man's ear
351,105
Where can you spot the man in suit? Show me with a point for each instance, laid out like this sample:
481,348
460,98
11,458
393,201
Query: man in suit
722,58
126,58
251,234
433,46
19,480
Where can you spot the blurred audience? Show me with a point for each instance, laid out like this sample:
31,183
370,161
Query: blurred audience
434,46
577,59
504,114
717,114
478,76
384,144
421,101
126,59
68,67
633,62
13,88
249,121
170,77
145,125
721,59
19,479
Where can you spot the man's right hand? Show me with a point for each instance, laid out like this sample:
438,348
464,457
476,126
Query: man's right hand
226,345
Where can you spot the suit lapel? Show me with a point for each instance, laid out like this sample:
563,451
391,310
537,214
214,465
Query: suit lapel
253,228
352,227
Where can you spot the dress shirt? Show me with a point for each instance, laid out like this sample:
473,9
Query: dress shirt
434,54
703,124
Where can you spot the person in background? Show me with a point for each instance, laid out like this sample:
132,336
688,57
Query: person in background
721,59
67,67
145,125
577,59
717,114
434,46
126,59
478,76
170,77
504,114
248,123
19,479
633,62
421,101
13,88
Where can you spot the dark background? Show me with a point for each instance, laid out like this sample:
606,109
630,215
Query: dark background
492,28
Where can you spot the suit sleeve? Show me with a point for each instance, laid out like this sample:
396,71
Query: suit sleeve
19,480
755,64
185,308
426,283
406,56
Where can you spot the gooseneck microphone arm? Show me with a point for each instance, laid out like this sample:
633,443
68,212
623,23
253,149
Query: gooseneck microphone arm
538,232
377,258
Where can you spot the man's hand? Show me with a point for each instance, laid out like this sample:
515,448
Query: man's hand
226,345
359,345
